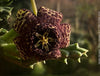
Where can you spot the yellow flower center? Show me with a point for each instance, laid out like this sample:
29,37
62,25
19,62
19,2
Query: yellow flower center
43,40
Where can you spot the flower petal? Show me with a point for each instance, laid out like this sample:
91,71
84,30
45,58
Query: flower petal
66,31
25,21
40,55
46,15
24,45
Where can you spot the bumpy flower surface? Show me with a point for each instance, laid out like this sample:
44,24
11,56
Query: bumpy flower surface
46,15
41,37
25,21
65,31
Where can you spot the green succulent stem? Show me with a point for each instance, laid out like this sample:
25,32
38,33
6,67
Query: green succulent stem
8,37
73,51
6,40
6,44
75,46
9,47
34,7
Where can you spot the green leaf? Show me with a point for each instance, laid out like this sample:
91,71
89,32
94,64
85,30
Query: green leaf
5,12
6,2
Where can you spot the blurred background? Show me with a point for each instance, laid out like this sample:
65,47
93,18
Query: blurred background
83,17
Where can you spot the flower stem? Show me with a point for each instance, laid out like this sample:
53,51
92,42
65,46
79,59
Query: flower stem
9,47
34,7
8,37
74,51
6,43
75,46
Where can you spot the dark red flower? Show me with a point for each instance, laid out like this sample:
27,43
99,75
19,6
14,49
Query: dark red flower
41,37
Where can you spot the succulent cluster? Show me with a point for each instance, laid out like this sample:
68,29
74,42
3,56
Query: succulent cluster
41,37
73,52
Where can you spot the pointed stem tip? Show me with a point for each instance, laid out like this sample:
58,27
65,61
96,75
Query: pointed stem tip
34,7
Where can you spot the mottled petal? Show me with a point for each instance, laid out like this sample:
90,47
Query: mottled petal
66,31
24,45
46,15
25,21
40,55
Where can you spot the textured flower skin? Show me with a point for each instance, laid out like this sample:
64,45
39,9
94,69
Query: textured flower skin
46,15
65,30
41,37
25,21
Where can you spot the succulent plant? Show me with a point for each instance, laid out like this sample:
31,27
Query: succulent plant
41,36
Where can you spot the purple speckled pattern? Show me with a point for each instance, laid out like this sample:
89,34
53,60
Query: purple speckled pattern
46,15
65,31
41,37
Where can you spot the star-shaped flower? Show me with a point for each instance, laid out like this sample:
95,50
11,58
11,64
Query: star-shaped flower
41,36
